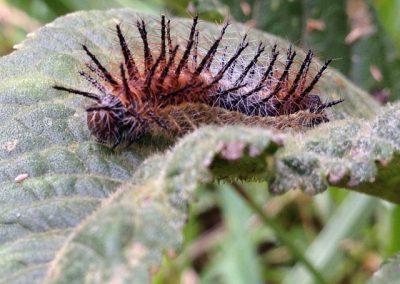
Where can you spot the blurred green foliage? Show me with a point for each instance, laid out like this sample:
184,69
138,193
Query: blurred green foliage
364,39
47,10
388,11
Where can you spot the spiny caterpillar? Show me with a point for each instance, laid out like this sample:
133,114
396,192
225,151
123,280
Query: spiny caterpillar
175,89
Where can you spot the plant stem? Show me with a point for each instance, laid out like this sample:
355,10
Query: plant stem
280,233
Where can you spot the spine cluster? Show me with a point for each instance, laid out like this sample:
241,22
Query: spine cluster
139,95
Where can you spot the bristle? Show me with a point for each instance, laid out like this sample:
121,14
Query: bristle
222,71
97,108
127,91
163,46
274,47
95,70
328,105
233,89
253,62
211,59
103,70
232,66
210,54
130,64
170,49
150,74
95,83
266,74
89,95
223,58
305,73
316,79
147,55
299,74
183,61
281,103
195,49
165,71
282,79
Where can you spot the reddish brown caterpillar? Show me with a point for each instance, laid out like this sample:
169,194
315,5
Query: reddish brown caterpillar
143,94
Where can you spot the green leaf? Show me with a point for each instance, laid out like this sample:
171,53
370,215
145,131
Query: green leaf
389,273
356,154
125,240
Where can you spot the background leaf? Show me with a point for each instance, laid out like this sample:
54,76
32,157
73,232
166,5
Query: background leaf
326,249
348,31
237,262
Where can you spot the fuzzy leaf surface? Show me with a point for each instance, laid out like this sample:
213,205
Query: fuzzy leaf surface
125,240
362,155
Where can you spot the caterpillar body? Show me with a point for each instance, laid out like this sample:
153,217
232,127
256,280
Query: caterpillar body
171,88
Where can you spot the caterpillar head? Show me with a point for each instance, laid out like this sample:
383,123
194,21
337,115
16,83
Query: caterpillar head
109,121
104,120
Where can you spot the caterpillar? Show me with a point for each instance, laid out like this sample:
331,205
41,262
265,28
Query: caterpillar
175,85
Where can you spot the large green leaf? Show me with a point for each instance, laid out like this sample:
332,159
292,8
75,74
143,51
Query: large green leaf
66,216
125,239
357,154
